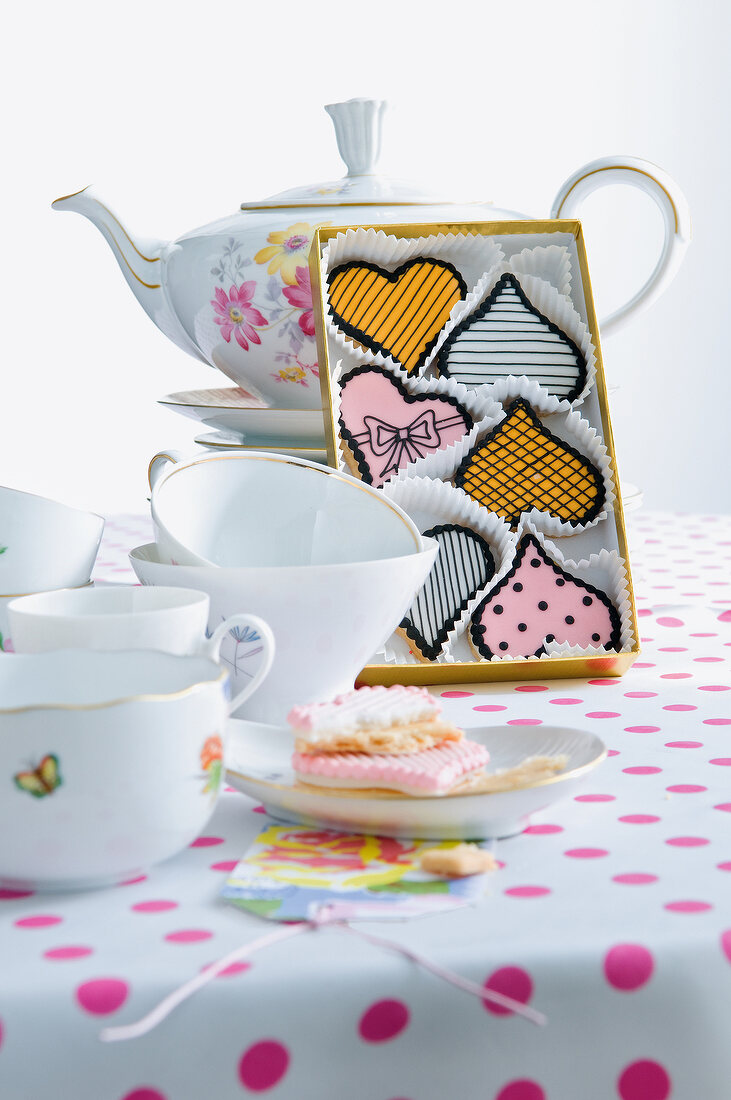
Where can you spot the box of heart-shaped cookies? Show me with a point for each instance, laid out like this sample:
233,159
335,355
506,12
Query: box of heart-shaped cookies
462,377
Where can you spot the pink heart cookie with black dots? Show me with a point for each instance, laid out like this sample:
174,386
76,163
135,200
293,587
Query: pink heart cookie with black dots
537,603
384,426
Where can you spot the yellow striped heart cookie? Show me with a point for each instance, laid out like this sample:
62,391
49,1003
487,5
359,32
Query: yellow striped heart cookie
519,465
399,313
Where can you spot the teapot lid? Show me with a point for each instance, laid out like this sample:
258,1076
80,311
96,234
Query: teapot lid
358,134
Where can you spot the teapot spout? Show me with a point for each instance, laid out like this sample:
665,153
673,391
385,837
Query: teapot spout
142,263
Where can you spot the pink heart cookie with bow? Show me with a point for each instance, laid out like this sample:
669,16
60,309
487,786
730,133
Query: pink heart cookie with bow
384,427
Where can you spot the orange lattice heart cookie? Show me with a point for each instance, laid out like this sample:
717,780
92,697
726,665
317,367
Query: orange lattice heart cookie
399,313
520,466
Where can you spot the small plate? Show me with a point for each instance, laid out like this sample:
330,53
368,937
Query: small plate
232,410
221,441
259,765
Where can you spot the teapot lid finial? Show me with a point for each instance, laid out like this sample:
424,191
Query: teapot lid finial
358,132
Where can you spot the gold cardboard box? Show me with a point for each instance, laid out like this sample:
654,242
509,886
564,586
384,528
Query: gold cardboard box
465,672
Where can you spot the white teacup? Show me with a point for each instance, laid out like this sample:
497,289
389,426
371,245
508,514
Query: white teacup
125,617
44,544
257,509
111,761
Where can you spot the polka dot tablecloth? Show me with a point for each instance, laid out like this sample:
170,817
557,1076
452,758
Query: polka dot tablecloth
611,914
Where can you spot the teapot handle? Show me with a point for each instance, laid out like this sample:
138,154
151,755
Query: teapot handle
673,207
158,463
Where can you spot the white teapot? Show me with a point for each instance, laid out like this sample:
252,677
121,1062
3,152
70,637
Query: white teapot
236,293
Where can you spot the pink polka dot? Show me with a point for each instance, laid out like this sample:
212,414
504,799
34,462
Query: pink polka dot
224,865
532,687
643,612
565,702
644,664
680,707
43,920
188,935
726,944
713,687
717,721
687,841
725,866
641,729
72,951
634,878
133,881
644,1080
594,798
725,806
511,981
229,971
683,744
6,894
672,649
628,966
638,819
144,1094
641,770
263,1065
154,906
613,752
527,891
522,1089
456,694
206,841
640,694
688,906
258,810
725,617
586,853
704,635
669,620
686,788
525,722
604,683
490,707
102,995
708,660
603,714
721,761
542,830
383,1021
676,676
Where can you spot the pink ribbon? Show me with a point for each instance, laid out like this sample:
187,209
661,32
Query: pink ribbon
327,917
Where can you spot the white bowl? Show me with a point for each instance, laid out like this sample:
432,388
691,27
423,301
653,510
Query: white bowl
44,544
111,762
261,509
327,620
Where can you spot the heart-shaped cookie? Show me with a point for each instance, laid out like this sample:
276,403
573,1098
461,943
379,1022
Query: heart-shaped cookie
464,563
508,335
519,465
384,427
399,313
538,602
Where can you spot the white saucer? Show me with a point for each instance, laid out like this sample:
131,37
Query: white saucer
259,765
232,410
223,441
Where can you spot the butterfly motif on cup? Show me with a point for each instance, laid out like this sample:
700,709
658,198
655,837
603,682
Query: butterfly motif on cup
41,780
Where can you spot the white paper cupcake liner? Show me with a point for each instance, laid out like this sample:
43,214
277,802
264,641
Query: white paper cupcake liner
579,434
431,502
549,262
484,411
606,571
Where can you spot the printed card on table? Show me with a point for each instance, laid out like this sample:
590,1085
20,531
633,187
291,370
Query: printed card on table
290,872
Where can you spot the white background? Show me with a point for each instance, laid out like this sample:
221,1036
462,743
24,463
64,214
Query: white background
177,112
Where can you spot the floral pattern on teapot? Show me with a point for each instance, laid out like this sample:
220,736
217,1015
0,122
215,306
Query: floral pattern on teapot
288,304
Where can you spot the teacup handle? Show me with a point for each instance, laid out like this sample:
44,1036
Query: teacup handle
213,646
158,463
673,206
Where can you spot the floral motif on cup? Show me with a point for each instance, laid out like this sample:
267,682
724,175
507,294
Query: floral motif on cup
295,370
237,316
212,762
300,296
6,644
286,251
41,780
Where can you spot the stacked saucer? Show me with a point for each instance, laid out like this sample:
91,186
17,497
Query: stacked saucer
238,420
